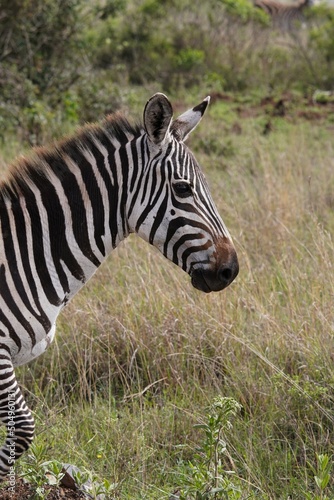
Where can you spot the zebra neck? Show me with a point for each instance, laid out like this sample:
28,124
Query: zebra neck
69,203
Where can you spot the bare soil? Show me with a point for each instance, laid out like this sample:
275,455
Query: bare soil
24,491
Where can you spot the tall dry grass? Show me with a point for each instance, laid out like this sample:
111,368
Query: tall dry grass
139,353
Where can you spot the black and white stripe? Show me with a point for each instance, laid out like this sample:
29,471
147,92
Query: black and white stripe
284,15
64,209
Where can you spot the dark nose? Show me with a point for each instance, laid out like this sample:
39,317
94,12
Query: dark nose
211,280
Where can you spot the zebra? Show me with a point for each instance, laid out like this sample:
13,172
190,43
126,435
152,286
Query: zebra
65,207
284,15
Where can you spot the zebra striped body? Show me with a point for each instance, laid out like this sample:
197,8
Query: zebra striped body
64,210
284,15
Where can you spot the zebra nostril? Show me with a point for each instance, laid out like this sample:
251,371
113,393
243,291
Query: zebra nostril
225,274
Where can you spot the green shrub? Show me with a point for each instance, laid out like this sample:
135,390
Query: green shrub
205,476
41,54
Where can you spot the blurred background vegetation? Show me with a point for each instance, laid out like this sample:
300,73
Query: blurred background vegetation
69,61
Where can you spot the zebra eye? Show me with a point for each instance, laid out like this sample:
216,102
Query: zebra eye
182,189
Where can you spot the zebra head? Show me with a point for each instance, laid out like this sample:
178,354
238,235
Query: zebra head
174,210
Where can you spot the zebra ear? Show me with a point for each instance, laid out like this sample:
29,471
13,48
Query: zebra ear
185,123
158,114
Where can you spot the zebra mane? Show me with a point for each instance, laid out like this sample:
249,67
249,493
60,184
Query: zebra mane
31,169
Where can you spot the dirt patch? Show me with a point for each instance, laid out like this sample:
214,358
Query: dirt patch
286,106
24,491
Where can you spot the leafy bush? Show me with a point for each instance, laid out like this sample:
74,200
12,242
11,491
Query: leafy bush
177,43
41,55
67,61
321,46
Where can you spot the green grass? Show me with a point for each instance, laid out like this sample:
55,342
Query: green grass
140,354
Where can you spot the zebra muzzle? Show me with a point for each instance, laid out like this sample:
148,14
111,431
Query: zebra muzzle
208,280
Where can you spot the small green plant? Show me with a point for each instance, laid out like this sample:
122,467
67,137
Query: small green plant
205,476
40,473
87,481
321,477
81,477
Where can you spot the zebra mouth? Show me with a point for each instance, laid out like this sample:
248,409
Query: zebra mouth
198,281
